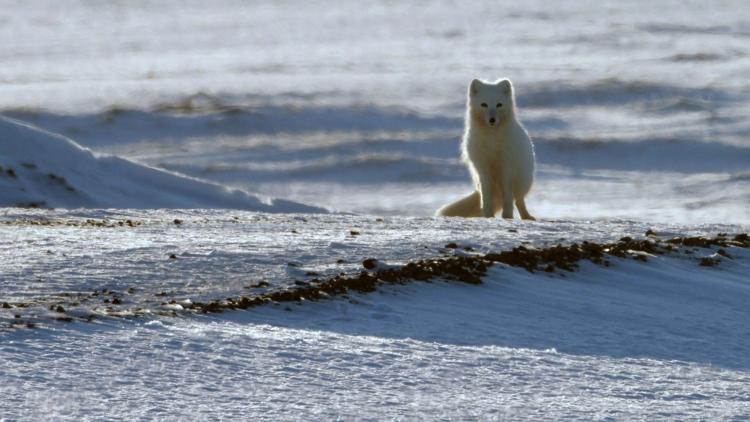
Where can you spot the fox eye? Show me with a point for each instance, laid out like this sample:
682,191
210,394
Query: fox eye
484,105
499,105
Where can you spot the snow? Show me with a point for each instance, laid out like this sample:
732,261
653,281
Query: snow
662,339
416,54
341,159
636,112
220,253
173,129
43,169
200,370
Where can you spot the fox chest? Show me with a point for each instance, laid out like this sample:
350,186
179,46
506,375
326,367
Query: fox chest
492,157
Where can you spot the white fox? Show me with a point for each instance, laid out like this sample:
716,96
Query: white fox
499,154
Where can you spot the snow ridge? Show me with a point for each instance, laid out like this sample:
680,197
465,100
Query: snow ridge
40,169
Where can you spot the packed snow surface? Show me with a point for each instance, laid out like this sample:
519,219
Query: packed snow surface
666,338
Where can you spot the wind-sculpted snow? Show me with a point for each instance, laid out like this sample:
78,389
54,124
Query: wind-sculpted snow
270,371
663,335
395,162
39,169
99,263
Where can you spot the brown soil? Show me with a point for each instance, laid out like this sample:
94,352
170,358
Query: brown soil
465,269
470,269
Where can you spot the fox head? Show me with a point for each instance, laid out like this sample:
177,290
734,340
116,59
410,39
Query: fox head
491,104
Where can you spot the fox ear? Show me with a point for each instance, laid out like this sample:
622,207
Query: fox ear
474,86
505,85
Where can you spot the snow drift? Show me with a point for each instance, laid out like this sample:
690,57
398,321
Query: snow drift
43,169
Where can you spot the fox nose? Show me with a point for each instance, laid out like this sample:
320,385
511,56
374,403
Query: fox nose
492,121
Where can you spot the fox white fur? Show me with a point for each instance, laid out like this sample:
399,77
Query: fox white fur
499,154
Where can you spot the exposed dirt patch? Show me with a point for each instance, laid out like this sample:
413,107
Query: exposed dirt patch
61,181
32,204
71,223
470,269
461,267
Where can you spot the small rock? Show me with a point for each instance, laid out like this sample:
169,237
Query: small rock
172,256
177,221
451,245
709,261
370,263
354,232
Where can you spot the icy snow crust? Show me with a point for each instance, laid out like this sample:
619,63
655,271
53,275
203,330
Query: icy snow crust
664,339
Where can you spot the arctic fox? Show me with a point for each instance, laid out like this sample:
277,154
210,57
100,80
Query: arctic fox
499,154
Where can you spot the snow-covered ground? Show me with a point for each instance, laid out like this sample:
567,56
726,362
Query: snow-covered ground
373,161
227,114
667,338
40,169
220,254
638,109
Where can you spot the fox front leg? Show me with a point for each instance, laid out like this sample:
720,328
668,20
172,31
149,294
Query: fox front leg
487,200
507,197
